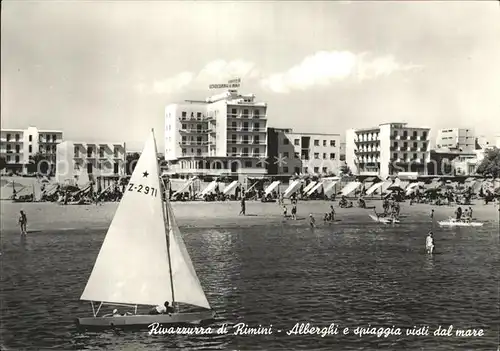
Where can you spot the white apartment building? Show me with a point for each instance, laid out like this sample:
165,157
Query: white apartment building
18,146
224,135
456,139
319,153
79,162
388,149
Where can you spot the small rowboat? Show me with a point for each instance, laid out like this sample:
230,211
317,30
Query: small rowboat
452,222
384,220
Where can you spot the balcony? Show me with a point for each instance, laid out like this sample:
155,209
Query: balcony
194,131
193,142
414,149
247,116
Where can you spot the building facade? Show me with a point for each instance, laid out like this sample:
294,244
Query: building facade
19,146
80,162
224,135
281,157
307,153
388,149
461,139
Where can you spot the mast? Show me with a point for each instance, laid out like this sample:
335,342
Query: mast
167,227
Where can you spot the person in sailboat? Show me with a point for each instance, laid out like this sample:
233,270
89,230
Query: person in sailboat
162,309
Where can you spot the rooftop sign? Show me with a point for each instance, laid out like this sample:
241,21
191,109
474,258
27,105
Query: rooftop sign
233,83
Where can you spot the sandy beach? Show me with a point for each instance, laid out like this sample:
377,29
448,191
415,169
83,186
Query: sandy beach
47,216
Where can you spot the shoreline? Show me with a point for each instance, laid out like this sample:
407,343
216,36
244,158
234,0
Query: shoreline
44,216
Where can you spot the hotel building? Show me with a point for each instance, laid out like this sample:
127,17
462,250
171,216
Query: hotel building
456,139
225,135
18,146
302,153
79,162
388,149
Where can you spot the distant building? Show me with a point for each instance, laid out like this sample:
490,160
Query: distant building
80,162
281,157
388,149
456,139
305,153
224,135
18,146
452,162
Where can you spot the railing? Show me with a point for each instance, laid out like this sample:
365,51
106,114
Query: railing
187,142
247,116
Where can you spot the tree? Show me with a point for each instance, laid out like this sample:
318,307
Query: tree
345,170
131,162
490,165
40,164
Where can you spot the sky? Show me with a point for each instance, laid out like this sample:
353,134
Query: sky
104,71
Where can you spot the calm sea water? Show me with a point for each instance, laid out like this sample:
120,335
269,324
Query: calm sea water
353,273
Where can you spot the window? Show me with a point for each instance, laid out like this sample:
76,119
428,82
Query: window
306,169
405,144
233,138
332,142
31,138
297,170
415,134
296,142
184,114
8,137
332,156
405,155
285,169
394,156
316,155
424,135
285,154
115,168
198,115
324,142
324,170
8,147
89,151
415,156
245,126
89,168
415,144
316,142
324,155
316,169
256,152
395,133
256,126
245,113
256,139
198,152
245,151
17,149
184,126
248,164
30,148
395,145
76,151
17,159
17,137
54,138
256,113
234,151
245,139
296,155
101,151
286,141
8,158
183,152
233,126
47,148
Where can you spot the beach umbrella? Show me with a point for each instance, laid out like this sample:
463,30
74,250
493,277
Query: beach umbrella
395,188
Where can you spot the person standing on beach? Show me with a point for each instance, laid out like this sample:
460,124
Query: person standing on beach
429,243
432,214
243,209
332,213
23,221
294,211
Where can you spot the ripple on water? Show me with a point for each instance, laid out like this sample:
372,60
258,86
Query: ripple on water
280,274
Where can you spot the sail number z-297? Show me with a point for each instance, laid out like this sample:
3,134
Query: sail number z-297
146,190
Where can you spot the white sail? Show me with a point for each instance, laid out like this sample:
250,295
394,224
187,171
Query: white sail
132,265
187,287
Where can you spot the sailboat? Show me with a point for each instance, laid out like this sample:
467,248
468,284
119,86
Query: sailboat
143,260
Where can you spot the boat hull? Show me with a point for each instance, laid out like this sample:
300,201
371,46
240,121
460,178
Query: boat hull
459,224
145,320
383,220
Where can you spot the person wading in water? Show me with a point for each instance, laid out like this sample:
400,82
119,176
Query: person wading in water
23,221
